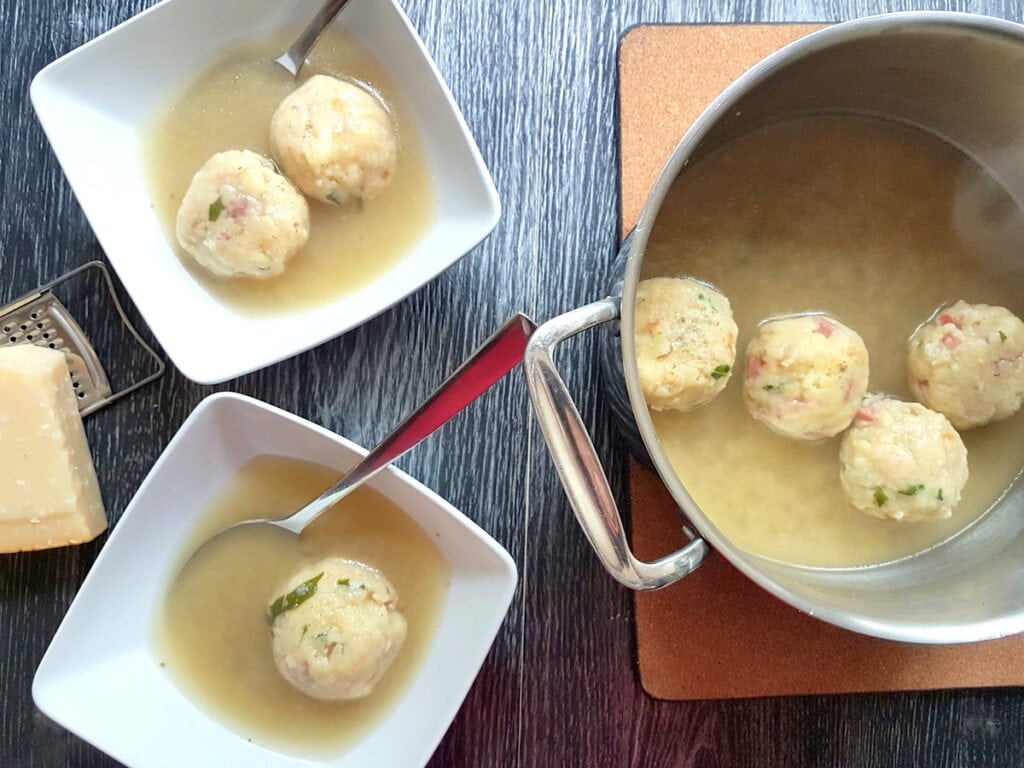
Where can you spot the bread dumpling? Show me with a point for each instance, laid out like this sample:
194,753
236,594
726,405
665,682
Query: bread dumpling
685,342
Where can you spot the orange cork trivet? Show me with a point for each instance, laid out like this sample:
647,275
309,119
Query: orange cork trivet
715,635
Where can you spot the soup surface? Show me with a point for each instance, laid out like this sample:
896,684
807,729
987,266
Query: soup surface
229,107
213,638
877,224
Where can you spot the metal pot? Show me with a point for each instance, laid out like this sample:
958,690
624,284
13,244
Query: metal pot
958,76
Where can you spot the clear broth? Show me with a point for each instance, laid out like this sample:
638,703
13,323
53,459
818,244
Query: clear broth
212,635
877,224
229,107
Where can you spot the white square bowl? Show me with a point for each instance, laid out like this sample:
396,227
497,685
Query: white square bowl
94,103
100,679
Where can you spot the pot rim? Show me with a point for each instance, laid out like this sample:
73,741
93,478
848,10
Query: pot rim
678,160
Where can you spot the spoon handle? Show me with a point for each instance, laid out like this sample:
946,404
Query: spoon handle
502,352
296,56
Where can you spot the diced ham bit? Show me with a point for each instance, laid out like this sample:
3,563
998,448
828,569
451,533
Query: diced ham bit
754,368
951,341
793,406
825,327
239,206
950,320
868,414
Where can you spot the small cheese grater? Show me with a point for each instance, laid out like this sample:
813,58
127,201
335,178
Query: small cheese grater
40,317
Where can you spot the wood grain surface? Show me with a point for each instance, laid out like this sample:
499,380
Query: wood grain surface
536,81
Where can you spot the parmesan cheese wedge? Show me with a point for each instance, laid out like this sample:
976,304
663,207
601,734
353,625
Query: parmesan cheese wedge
49,496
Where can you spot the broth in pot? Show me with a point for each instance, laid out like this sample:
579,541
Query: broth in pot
876,224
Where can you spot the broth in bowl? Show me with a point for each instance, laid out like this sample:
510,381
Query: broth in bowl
212,637
352,243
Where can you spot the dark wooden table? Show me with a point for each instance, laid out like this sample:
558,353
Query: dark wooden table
537,83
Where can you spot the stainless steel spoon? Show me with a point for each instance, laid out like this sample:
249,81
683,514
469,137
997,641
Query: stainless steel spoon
498,355
296,56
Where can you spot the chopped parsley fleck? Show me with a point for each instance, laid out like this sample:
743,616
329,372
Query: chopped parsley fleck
911,490
1002,336
333,197
707,300
293,599
940,495
305,629
216,208
721,371
343,582
880,497
768,387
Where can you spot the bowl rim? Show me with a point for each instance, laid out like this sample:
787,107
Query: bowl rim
503,581
48,94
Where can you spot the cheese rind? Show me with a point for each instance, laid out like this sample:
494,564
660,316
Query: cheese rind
49,496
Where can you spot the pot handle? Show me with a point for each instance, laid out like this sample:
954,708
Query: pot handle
577,462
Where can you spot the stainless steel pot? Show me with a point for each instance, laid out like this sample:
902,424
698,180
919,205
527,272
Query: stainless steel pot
958,76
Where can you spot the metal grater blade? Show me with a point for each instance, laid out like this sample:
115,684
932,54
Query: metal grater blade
41,318
45,322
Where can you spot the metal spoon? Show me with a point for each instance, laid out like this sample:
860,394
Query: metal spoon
498,355
296,56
